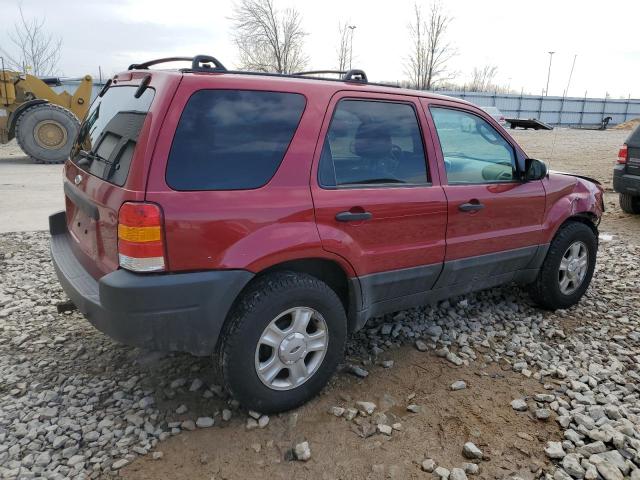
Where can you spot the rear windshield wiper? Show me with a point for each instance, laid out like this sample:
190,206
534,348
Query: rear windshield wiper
88,157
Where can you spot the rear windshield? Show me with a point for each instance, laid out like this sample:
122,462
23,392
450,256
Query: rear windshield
109,134
232,139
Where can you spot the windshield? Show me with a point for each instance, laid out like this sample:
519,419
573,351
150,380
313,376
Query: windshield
109,133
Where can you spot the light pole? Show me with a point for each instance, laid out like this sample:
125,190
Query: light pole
546,92
352,28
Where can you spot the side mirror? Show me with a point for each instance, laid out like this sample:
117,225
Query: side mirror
534,169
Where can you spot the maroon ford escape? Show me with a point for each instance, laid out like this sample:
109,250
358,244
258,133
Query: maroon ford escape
262,218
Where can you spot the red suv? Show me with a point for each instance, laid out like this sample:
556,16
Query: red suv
262,218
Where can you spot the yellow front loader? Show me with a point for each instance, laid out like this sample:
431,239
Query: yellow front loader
44,122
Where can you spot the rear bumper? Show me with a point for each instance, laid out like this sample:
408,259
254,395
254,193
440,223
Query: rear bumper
177,312
625,183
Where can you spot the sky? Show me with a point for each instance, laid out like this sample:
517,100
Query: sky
513,35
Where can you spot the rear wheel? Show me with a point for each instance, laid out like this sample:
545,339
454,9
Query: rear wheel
567,270
283,342
46,132
629,203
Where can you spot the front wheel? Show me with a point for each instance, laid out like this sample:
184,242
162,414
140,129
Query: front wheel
568,268
629,203
283,342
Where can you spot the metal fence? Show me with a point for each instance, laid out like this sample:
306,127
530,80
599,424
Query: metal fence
569,111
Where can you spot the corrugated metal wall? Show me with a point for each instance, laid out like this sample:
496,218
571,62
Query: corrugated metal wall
552,110
555,110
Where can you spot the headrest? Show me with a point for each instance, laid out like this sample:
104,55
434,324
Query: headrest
372,140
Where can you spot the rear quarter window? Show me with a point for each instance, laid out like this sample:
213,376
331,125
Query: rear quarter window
232,139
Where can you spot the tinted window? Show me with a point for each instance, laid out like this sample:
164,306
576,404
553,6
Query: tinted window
232,139
373,143
473,151
109,134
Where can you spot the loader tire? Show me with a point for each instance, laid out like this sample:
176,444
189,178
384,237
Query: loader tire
46,132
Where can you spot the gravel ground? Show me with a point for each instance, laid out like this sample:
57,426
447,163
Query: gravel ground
75,404
484,385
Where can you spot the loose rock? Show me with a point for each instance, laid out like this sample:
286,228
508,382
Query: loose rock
472,452
302,451
458,385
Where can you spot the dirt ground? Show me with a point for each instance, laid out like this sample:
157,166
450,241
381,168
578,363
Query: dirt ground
512,442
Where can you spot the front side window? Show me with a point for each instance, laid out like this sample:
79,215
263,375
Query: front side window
232,139
474,152
373,143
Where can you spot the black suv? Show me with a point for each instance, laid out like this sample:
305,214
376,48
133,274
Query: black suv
626,174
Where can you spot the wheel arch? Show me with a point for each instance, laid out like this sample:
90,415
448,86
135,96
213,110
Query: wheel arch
587,218
328,271
19,111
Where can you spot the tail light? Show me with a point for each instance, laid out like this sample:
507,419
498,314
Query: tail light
623,154
140,237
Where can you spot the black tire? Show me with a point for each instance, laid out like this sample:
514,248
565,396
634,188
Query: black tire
629,203
62,124
545,290
264,301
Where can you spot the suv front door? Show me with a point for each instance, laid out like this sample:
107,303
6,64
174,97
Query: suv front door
377,196
494,218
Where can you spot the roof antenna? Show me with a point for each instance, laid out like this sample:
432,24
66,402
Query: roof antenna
564,96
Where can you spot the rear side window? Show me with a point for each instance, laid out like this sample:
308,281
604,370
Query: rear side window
109,134
232,139
373,143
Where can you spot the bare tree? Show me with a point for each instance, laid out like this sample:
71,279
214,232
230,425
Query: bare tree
343,45
430,50
482,78
269,40
34,50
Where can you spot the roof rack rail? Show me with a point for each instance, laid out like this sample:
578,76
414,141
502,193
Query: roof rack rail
353,75
199,63
320,72
206,63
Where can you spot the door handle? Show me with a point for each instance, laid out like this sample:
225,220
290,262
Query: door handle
353,216
472,206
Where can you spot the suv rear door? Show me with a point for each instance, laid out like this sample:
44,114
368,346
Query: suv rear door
494,219
376,193
109,163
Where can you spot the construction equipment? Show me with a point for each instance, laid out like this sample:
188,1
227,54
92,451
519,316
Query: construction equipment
44,122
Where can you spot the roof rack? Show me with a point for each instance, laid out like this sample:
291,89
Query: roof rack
199,63
206,63
346,75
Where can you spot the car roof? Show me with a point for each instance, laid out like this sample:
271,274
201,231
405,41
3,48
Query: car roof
300,82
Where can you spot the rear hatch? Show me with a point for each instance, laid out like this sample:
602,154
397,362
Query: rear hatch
633,152
110,161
